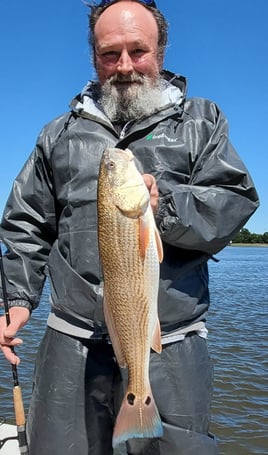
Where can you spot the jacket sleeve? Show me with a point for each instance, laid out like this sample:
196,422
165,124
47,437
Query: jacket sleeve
205,213
28,230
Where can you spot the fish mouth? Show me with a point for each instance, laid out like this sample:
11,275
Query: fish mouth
111,153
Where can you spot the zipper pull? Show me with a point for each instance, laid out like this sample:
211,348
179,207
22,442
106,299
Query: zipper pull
123,133
124,129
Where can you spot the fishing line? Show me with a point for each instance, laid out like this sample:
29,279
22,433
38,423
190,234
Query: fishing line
17,395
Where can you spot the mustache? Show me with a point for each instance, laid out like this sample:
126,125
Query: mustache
134,77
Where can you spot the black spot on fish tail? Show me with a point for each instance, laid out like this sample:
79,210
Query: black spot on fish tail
131,399
148,401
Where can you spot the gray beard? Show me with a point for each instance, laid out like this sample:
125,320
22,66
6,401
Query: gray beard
131,103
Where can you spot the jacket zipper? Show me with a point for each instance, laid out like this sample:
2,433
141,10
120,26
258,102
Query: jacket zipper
124,130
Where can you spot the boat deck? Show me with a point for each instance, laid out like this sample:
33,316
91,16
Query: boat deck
10,447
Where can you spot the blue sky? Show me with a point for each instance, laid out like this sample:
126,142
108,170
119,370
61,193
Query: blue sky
220,46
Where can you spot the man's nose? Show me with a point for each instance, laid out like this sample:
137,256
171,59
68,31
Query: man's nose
125,64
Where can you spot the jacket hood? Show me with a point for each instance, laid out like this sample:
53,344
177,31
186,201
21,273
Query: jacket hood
173,89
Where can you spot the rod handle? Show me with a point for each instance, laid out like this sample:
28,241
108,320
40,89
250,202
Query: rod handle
18,406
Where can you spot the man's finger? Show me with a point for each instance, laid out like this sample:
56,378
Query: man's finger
150,182
10,331
10,341
10,355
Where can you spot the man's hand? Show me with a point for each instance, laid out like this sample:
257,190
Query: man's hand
19,316
152,187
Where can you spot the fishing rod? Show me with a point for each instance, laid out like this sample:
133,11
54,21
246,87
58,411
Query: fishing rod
17,394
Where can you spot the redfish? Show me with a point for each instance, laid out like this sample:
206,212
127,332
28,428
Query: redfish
130,251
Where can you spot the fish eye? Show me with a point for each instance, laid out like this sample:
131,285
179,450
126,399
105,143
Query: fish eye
111,165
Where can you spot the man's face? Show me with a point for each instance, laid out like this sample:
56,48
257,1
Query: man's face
126,44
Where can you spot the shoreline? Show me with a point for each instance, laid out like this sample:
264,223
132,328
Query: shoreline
265,245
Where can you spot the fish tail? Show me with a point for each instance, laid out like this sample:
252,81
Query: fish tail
137,418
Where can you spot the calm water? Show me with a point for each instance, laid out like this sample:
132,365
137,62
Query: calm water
238,340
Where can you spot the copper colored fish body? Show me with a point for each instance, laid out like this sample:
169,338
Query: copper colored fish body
130,251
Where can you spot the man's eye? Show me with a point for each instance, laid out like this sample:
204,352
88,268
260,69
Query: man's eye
138,52
109,56
109,53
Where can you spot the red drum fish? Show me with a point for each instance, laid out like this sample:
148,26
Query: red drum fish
130,251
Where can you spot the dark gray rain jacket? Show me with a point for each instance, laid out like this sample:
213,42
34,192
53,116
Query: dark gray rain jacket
206,196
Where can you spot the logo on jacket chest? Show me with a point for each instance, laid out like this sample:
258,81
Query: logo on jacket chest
152,136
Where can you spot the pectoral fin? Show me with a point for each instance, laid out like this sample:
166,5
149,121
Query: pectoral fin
144,235
156,338
159,245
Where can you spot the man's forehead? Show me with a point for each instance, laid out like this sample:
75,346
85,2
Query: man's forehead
124,15
126,28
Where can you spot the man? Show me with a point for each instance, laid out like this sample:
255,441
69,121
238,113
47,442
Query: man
205,196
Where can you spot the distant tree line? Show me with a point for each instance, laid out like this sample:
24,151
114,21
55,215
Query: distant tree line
245,236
